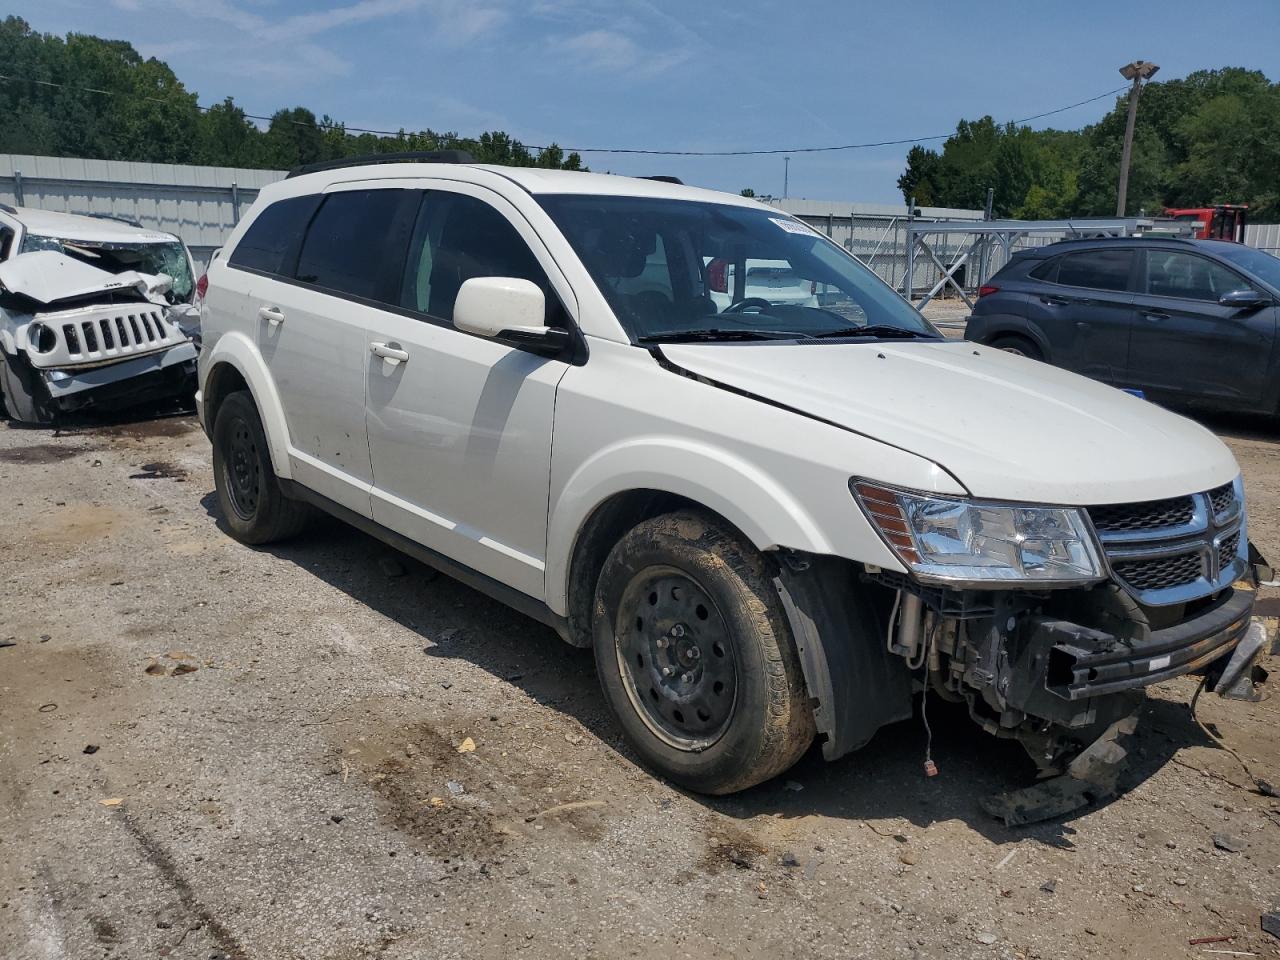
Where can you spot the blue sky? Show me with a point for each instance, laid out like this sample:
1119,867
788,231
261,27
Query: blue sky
681,75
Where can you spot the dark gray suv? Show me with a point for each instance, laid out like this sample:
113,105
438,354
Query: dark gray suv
1183,321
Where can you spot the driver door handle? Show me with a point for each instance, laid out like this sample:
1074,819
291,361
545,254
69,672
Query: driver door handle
389,352
273,315
1155,314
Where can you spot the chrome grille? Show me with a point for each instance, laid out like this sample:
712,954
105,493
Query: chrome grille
1153,515
1160,573
1227,549
1223,499
1176,549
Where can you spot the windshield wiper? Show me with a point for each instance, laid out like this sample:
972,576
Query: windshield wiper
713,335
880,330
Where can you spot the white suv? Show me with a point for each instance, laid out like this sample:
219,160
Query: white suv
94,311
769,520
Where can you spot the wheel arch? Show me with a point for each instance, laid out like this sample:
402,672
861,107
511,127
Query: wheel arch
618,488
1002,325
235,364
854,685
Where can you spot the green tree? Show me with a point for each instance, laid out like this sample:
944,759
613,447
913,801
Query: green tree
139,110
1211,137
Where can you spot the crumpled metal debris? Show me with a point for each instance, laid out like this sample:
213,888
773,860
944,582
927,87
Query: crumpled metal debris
1092,776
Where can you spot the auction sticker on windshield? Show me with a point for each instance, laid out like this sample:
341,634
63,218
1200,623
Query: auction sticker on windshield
792,226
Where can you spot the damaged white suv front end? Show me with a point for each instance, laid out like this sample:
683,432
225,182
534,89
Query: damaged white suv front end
92,313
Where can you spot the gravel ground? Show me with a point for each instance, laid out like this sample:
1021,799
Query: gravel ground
320,750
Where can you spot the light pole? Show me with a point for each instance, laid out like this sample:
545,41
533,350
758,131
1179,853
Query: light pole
786,176
1137,71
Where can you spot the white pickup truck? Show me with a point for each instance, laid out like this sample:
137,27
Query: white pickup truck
94,311
770,520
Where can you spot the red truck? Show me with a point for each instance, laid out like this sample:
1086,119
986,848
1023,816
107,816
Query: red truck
1224,221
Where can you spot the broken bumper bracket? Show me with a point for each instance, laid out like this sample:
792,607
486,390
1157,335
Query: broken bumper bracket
1087,663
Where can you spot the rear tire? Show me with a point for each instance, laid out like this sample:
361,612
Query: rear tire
24,398
253,505
696,657
1018,346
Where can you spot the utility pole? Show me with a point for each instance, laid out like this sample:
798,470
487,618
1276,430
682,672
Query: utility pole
1137,71
786,176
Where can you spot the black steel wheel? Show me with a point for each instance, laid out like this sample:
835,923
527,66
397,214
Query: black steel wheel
254,508
695,655
243,468
676,655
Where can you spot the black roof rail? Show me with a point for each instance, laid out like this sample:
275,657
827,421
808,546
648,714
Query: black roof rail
1112,239
8,209
664,178
411,156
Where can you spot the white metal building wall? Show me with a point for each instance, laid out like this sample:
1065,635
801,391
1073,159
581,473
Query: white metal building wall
1264,236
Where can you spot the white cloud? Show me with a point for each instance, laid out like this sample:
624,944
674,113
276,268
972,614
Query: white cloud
612,50
602,48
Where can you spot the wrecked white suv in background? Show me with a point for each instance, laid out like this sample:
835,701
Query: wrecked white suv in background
93,312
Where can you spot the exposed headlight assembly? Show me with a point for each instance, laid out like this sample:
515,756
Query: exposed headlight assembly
961,542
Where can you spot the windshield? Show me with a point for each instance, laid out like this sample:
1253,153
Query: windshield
152,258
673,268
1261,264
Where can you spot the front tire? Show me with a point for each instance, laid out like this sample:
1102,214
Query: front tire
24,398
254,507
696,657
1018,346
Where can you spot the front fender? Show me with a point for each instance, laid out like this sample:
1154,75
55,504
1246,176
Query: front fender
751,500
238,351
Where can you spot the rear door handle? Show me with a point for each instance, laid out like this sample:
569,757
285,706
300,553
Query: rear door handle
388,352
273,315
1155,314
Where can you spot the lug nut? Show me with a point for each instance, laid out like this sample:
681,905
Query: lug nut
666,671
694,653
662,643
687,678
678,630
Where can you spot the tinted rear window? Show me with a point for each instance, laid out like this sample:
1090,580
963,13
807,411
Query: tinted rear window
274,235
353,246
1046,271
1096,269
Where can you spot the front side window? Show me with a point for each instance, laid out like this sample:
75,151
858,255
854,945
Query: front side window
1183,275
674,269
351,246
1097,269
1261,264
457,238
274,235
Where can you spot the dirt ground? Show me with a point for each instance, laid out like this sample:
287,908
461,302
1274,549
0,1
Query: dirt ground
322,751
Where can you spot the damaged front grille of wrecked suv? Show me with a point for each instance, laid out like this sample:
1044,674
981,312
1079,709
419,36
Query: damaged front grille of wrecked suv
1174,550
99,334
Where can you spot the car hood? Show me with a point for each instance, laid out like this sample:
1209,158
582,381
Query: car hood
1006,427
47,276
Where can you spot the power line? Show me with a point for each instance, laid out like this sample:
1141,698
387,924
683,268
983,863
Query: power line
610,150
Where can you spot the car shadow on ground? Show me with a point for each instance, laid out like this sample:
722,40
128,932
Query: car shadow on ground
166,417
884,781
1237,426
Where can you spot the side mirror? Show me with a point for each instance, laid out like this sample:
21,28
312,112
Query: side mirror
1244,299
509,310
